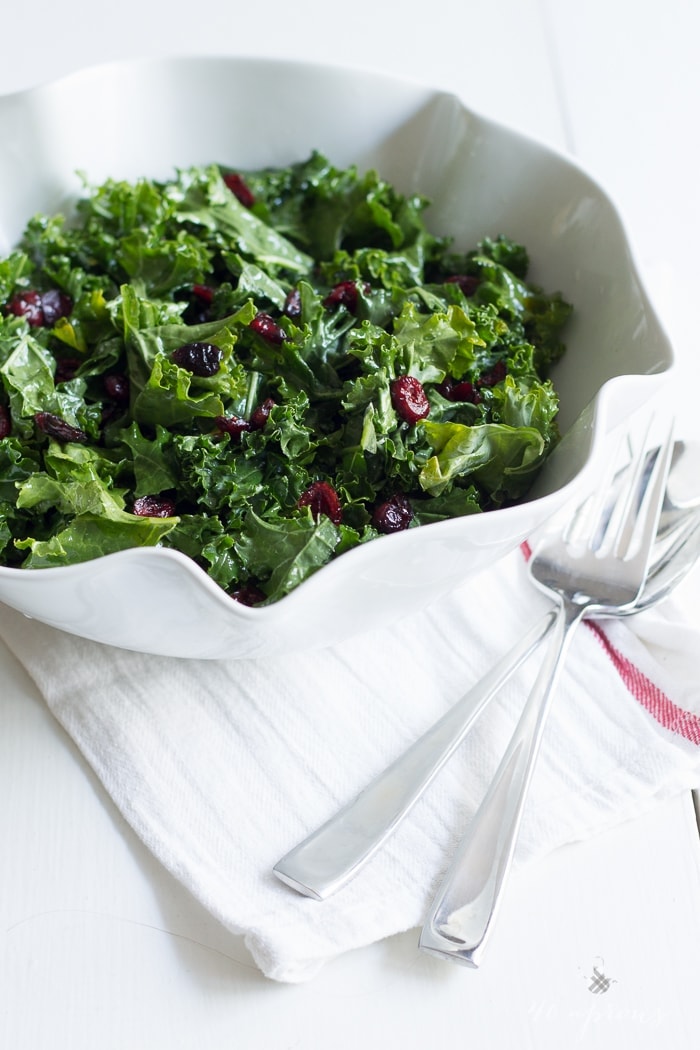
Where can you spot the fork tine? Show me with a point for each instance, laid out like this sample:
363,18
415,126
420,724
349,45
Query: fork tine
643,499
606,521
589,524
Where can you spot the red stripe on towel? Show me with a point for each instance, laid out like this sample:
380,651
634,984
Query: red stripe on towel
653,699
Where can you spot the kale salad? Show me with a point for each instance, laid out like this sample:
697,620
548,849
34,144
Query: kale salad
262,369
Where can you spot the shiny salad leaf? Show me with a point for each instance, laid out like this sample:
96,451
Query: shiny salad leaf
262,370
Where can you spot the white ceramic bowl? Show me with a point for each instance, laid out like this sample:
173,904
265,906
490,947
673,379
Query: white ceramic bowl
145,118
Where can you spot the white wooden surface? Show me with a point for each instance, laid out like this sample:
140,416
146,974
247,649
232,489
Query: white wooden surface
98,947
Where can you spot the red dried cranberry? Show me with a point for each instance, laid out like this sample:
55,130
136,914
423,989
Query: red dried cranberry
153,507
201,359
409,399
66,367
239,189
5,423
461,390
292,303
322,499
248,594
234,426
203,292
117,387
262,413
198,306
41,309
466,282
266,327
394,515
345,294
55,305
27,305
57,428
494,375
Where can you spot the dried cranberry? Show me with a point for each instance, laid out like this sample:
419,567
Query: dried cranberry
494,375
55,305
466,282
153,507
262,413
27,305
66,367
5,422
57,428
345,294
198,306
234,426
462,390
201,359
203,292
322,499
292,303
239,189
248,594
266,327
409,399
41,309
394,515
116,386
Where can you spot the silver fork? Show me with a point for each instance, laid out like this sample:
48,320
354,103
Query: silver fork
598,564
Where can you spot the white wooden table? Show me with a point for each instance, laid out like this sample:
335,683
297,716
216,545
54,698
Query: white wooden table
599,946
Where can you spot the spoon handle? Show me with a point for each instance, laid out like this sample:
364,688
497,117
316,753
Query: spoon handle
330,856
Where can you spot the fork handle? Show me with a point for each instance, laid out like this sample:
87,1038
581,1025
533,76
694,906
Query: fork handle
333,854
462,912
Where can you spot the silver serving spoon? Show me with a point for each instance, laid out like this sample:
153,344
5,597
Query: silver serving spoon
335,852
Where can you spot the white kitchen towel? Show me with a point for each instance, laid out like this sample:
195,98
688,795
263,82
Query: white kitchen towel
222,766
